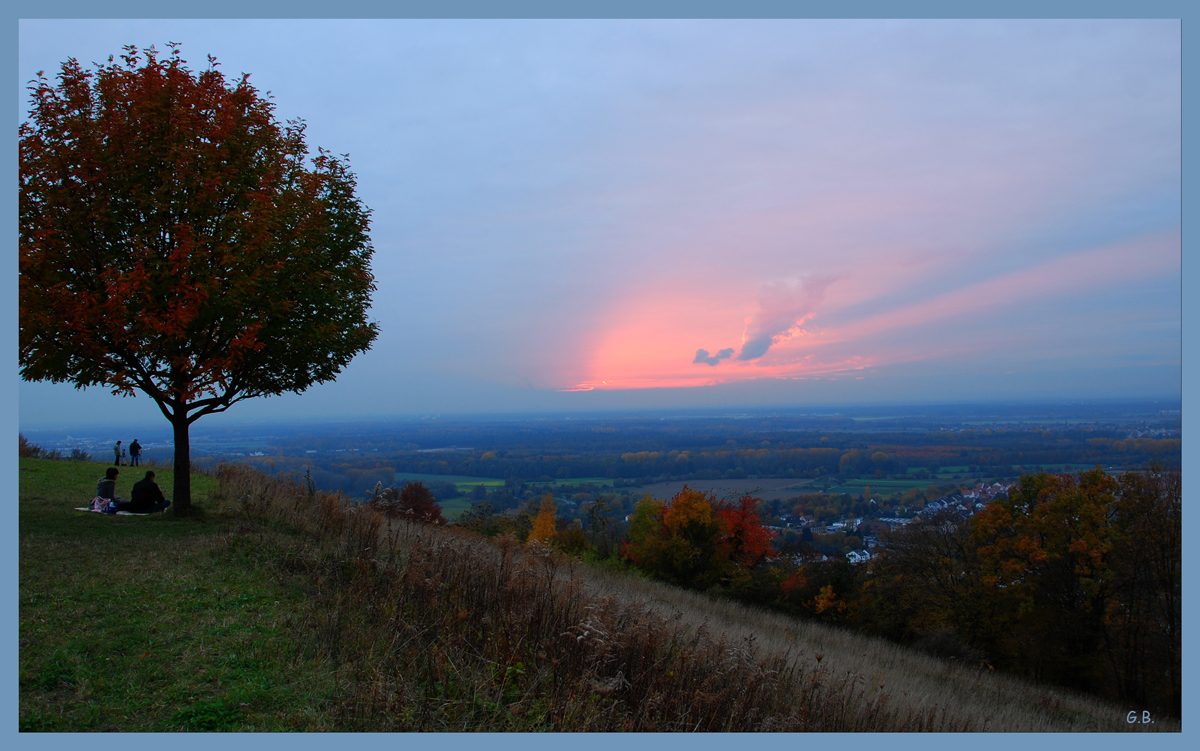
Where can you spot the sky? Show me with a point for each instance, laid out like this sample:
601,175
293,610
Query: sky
592,215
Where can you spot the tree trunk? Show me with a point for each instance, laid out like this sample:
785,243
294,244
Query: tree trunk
181,503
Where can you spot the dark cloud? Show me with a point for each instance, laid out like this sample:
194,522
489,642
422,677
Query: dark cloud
756,347
702,356
782,307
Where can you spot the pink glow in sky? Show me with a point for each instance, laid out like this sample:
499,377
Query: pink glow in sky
566,212
651,343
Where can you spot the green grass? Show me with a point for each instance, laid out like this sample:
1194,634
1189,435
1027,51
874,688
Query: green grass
887,484
880,486
455,506
460,480
452,507
154,623
577,481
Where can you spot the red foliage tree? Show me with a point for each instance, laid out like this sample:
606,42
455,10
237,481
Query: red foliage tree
418,503
177,240
746,540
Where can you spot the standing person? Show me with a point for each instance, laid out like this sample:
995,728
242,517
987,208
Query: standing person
135,451
117,454
145,498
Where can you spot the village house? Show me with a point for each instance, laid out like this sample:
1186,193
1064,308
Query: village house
858,556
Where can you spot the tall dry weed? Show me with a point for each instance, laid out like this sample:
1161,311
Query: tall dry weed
436,629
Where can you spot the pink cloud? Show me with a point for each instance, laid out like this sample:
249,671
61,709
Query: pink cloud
653,341
783,309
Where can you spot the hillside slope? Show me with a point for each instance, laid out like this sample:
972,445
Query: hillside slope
279,609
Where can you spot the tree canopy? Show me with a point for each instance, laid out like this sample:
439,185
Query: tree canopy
176,239
696,540
544,525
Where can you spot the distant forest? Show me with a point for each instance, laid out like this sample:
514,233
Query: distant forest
906,454
633,452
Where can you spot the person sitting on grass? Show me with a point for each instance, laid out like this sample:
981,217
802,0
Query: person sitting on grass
106,487
145,498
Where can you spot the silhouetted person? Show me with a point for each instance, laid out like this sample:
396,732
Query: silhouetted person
135,451
117,454
145,498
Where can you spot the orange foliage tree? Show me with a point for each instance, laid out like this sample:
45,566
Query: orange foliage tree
1046,550
177,240
545,525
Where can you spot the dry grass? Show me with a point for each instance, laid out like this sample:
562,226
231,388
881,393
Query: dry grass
435,629
969,697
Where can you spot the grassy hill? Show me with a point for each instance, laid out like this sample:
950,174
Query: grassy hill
279,610
154,623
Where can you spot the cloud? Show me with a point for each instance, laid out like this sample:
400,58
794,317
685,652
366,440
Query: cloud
702,356
1097,271
783,308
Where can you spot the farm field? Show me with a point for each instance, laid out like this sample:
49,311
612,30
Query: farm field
460,480
466,482
576,482
766,489
452,507
1064,467
884,486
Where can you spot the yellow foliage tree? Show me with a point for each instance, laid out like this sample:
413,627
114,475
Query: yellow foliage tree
544,525
677,542
689,508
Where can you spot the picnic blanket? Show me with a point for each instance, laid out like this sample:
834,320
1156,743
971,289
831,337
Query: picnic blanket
119,513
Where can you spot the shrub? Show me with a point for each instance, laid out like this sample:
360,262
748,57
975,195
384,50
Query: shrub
33,451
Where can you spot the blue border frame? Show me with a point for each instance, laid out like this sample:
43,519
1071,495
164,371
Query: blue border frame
9,406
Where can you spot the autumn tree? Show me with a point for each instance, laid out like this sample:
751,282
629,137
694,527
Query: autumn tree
696,541
1073,579
175,239
1047,550
849,461
925,589
545,524
745,539
418,503
693,537
645,529
600,527
413,501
